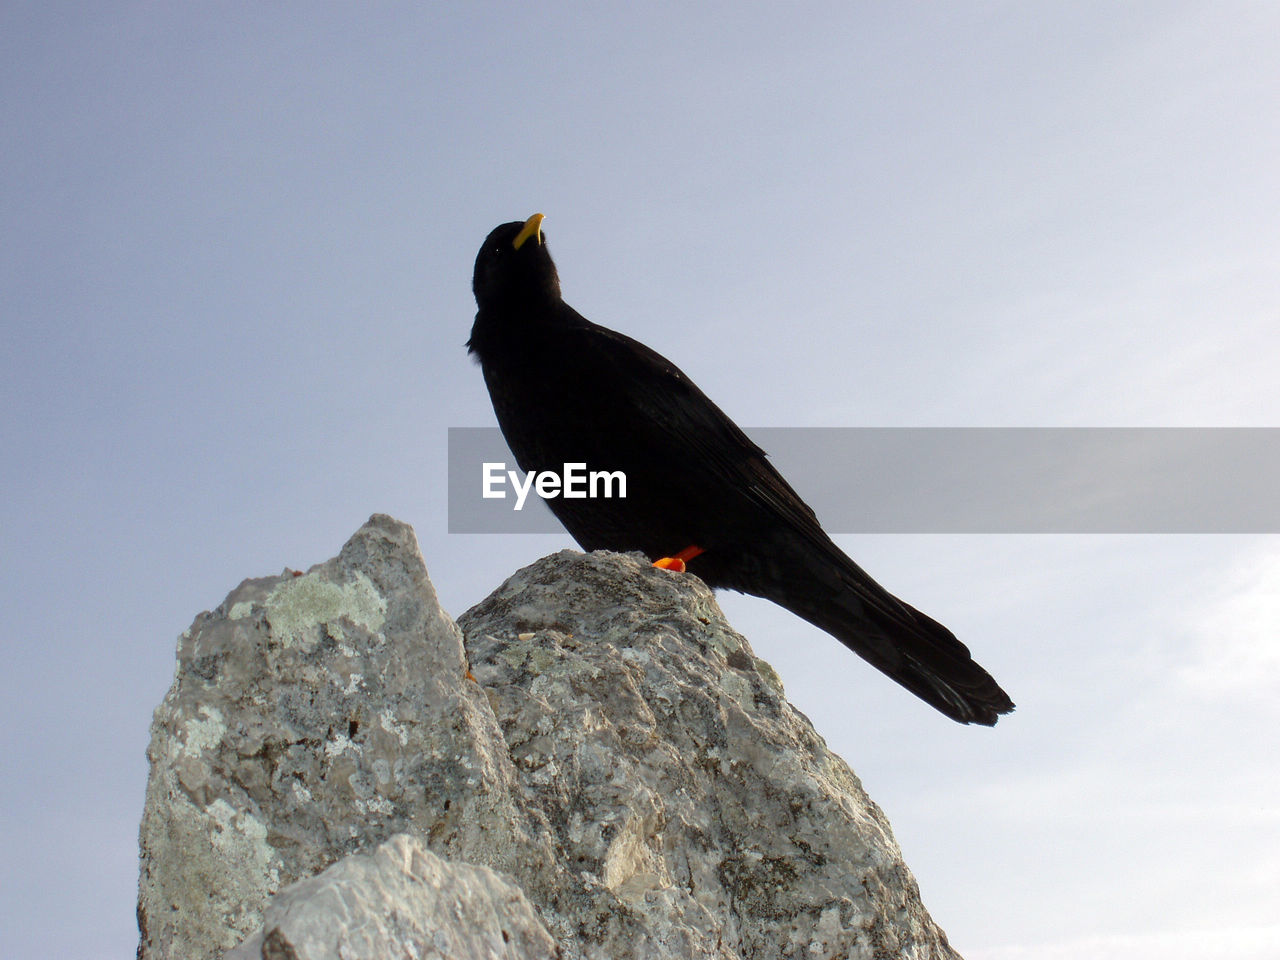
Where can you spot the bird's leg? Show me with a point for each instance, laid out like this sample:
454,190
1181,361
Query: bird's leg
677,563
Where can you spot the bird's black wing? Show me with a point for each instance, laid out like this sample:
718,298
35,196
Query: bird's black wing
772,544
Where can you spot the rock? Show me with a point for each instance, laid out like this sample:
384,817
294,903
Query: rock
624,760
400,901
312,717
701,812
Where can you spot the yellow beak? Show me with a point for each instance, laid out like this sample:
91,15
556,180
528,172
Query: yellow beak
532,228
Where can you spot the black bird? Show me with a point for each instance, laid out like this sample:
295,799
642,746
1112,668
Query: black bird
566,390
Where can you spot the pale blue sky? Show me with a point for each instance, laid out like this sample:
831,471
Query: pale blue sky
234,291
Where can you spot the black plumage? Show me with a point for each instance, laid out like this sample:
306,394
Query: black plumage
566,390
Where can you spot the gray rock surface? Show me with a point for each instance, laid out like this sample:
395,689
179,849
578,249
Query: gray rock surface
400,901
624,760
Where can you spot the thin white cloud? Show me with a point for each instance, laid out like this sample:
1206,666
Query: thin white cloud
1230,943
1237,632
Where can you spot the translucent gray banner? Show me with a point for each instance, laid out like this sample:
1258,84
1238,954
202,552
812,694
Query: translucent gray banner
955,480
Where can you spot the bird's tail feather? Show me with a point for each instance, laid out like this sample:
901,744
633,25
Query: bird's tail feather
912,648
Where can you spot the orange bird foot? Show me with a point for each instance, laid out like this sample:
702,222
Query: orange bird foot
677,563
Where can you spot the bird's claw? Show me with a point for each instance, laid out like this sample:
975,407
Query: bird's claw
677,563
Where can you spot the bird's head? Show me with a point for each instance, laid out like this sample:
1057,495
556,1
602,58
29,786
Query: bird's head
514,268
